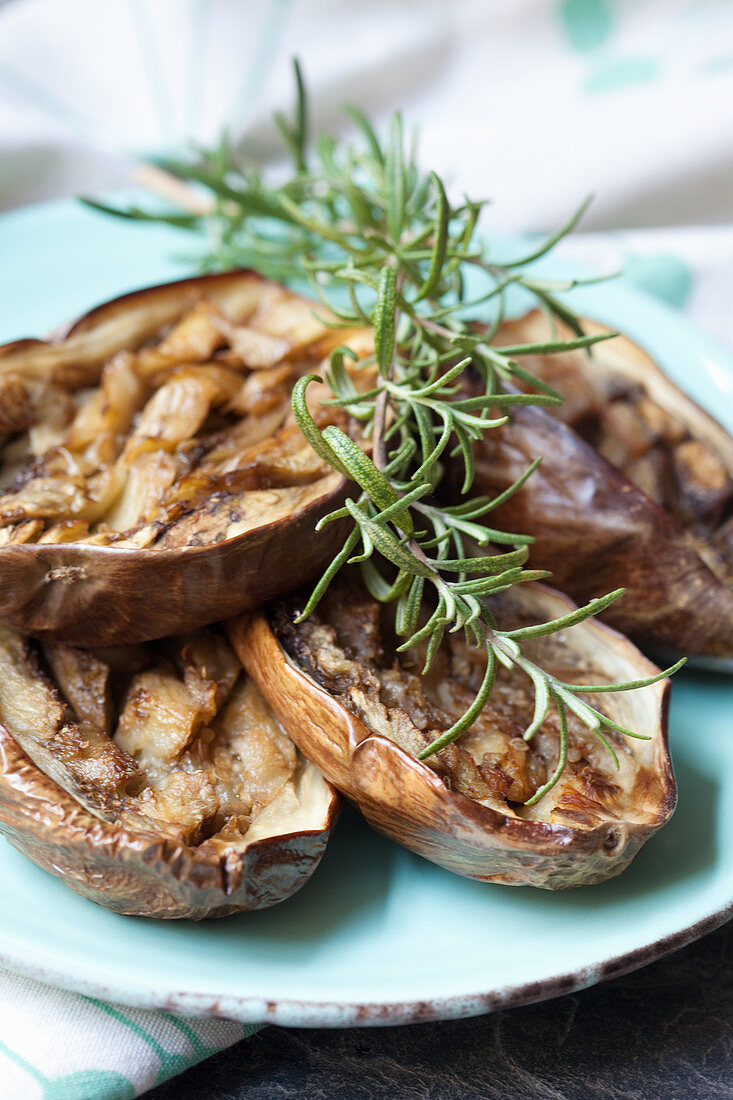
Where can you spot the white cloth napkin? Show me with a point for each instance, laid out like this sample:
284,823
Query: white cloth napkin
534,102
62,1046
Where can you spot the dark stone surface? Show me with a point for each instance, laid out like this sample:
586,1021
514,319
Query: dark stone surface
663,1033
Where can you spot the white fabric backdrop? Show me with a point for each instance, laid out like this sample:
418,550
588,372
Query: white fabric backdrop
533,102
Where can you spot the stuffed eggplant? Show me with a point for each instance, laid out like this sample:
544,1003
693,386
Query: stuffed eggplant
153,479
635,490
362,712
154,779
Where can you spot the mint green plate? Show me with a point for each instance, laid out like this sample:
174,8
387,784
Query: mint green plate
378,936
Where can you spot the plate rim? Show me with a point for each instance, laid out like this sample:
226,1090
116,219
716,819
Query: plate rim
290,1012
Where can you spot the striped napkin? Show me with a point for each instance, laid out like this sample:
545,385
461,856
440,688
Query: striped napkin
62,1046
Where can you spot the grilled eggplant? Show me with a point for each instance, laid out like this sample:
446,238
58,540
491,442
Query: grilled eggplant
361,711
635,490
154,779
153,479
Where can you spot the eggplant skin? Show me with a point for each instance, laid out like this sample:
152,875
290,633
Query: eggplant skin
596,532
404,799
147,875
99,595
91,595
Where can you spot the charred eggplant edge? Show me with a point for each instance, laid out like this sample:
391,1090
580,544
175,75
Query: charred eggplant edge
142,874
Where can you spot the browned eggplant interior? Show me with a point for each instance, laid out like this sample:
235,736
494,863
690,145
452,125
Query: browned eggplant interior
348,647
642,430
169,738
187,439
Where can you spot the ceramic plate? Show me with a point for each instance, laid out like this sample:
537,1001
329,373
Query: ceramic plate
378,936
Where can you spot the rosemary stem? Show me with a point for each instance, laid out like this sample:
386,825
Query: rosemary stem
169,187
434,327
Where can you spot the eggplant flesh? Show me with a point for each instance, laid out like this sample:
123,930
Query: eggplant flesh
151,452
634,491
362,712
155,779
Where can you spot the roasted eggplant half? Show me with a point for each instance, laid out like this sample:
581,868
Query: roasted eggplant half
154,779
635,490
152,478
362,712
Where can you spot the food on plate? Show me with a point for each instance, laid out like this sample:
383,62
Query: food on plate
153,478
362,712
187,453
634,490
154,779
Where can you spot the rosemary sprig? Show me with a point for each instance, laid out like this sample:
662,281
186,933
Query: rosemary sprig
381,245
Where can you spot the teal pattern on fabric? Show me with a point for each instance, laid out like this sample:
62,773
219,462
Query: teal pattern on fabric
90,1084
101,1084
199,1049
665,276
587,23
170,1064
623,73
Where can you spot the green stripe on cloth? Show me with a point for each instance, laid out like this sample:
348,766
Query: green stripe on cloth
103,1084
